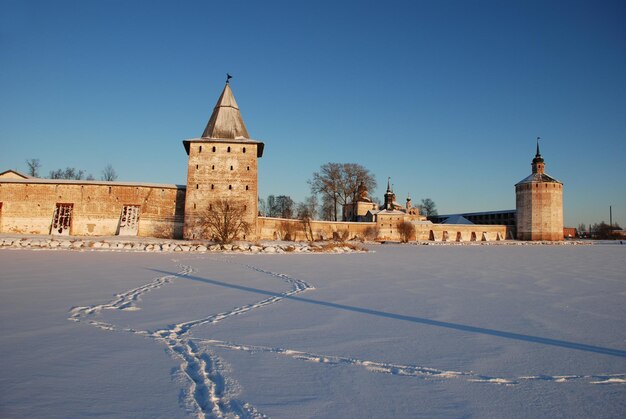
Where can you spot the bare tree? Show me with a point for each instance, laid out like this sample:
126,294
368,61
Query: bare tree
307,211
224,222
338,184
262,207
353,175
108,173
68,173
33,167
280,206
327,182
371,233
428,207
406,231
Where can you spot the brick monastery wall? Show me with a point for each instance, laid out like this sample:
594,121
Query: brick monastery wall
278,228
539,211
28,206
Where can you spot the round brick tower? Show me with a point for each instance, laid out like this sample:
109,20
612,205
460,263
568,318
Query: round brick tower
539,204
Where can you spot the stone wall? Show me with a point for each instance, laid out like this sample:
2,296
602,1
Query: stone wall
28,207
287,229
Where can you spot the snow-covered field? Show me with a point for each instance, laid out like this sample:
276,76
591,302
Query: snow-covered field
406,331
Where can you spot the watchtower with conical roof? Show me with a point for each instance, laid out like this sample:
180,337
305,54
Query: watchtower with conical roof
222,167
539,204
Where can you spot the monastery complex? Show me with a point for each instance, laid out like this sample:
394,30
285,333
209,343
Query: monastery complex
222,167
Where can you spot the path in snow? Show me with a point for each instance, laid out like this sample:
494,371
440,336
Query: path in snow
208,394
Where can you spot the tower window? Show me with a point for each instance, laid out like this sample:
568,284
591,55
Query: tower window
230,187
246,187
196,167
245,207
244,150
214,149
228,149
212,186
200,149
194,205
248,168
231,167
213,167
210,207
197,186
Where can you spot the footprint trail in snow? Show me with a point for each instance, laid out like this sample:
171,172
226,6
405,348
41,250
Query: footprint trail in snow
208,393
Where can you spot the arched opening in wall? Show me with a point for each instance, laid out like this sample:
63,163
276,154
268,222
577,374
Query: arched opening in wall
247,187
244,150
458,236
228,149
213,167
473,236
212,186
248,168
194,205
214,149
200,149
431,236
231,167
484,237
197,167
197,186
444,237
230,187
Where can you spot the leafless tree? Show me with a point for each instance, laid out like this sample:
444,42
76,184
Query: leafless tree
280,206
307,211
68,173
33,167
406,231
224,222
262,207
108,173
338,184
371,233
428,207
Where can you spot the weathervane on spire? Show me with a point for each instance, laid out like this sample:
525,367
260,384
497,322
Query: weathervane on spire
228,77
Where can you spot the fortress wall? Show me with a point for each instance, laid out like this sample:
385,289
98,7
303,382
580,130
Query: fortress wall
278,228
28,207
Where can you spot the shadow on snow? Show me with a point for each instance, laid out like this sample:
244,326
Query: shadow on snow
421,320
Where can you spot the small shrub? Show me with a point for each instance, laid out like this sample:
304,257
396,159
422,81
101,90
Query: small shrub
406,231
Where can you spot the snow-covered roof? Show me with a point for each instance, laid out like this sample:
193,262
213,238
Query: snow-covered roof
538,177
457,219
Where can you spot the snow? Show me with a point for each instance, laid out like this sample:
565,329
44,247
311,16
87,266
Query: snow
404,331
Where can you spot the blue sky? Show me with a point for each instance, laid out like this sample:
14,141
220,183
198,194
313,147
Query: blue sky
445,97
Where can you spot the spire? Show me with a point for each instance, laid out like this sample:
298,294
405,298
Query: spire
538,165
538,153
226,121
388,184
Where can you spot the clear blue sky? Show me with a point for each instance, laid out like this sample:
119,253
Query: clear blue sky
446,97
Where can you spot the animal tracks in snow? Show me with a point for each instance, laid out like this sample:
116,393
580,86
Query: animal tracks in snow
210,393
